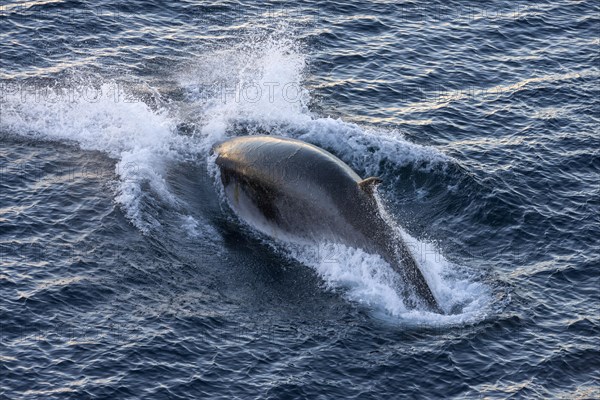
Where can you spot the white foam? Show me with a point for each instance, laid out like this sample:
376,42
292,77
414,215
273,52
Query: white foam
142,140
368,280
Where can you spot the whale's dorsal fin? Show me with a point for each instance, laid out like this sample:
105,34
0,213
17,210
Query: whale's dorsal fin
369,183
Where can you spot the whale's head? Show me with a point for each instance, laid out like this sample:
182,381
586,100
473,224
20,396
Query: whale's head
295,185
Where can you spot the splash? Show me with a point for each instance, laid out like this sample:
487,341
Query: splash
257,87
368,280
99,117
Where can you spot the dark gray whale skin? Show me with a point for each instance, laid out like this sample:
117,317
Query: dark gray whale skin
286,187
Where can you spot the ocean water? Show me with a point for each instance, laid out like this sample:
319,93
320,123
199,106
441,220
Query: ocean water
124,274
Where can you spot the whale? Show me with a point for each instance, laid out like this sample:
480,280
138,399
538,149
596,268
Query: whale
294,191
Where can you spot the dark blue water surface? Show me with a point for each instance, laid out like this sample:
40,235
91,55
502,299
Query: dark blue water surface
124,274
